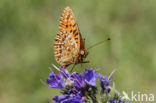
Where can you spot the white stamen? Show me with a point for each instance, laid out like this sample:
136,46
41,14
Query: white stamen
55,67
112,73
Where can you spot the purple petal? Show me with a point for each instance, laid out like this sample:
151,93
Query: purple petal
90,77
78,80
60,98
68,99
104,82
76,99
55,81
65,72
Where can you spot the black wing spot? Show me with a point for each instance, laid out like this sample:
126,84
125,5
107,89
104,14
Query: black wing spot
77,34
74,31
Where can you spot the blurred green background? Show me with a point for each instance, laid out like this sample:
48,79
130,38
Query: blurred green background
28,29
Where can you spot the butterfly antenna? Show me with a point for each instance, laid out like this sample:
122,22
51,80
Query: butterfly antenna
99,43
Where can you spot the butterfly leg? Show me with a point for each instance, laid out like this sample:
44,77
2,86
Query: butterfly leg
86,62
72,68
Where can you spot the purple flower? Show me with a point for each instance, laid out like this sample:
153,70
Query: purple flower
78,80
90,77
55,81
80,88
104,82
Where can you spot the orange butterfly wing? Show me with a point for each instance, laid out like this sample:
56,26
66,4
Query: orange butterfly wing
68,41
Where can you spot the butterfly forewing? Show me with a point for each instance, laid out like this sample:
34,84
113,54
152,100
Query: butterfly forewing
68,40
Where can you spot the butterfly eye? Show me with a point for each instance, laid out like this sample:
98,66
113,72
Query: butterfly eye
82,52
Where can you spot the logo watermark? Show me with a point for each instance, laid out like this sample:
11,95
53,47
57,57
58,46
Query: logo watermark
138,96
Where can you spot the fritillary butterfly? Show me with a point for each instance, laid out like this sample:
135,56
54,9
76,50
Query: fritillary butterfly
69,46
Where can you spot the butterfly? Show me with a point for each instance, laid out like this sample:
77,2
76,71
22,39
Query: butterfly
69,47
